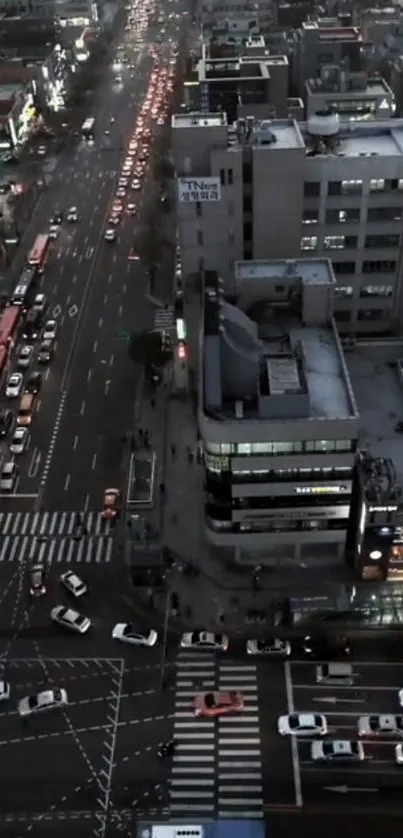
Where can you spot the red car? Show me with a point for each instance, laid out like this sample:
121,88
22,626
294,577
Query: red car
218,704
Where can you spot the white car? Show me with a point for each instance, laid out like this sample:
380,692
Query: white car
72,214
25,356
70,619
136,185
42,150
400,694
399,754
204,640
73,583
49,330
110,235
14,385
54,231
5,690
271,646
131,209
39,303
43,701
121,192
123,181
126,633
302,724
8,476
19,441
380,725
337,751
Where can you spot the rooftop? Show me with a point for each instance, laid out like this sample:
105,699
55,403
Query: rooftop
261,361
333,33
353,139
353,87
376,375
197,119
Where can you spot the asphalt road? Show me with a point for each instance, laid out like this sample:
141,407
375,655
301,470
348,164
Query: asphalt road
97,296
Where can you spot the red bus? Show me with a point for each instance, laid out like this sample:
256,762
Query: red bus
9,321
3,362
37,256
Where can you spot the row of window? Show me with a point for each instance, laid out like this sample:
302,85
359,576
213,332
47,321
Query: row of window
370,315
353,215
369,266
290,475
279,526
381,242
352,187
372,291
247,449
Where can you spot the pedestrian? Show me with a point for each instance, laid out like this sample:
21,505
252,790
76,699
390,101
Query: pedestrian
162,489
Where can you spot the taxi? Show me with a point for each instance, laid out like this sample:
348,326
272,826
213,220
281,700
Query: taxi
218,703
111,504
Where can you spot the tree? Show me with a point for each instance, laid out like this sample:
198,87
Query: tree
149,350
150,243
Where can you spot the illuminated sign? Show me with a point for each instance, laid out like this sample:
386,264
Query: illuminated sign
200,190
296,514
320,490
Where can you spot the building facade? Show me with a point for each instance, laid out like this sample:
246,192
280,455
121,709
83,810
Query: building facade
275,189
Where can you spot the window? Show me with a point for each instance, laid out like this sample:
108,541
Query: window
385,214
372,314
343,291
247,203
312,188
230,176
379,266
309,242
231,237
377,184
200,238
344,267
382,241
247,172
222,177
394,184
339,242
334,187
247,231
198,209
342,316
376,291
201,264
310,217
343,216
351,187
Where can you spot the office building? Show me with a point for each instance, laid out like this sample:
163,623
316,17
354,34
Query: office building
354,96
236,19
320,43
82,12
272,189
299,472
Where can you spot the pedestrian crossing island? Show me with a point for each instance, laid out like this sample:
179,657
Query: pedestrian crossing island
56,537
217,766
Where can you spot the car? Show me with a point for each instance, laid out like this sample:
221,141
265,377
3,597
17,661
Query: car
131,209
14,385
8,476
73,584
114,220
380,724
5,690
121,192
39,303
325,647
302,724
214,704
42,150
399,754
70,619
204,640
133,256
337,751
25,355
42,702
54,231
6,421
19,440
72,214
110,507
110,234
126,633
37,576
270,646
34,382
49,330
32,325
57,218
45,352
136,185
123,181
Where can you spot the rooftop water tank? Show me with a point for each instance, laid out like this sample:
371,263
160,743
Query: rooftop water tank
324,123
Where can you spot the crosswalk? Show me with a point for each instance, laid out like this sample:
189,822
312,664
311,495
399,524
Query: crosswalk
164,318
217,767
55,537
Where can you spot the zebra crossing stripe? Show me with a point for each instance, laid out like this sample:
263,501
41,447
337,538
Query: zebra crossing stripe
93,549
55,524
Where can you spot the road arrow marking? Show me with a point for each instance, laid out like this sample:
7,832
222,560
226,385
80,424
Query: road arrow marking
346,789
331,699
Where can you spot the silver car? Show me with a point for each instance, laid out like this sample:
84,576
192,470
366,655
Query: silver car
70,619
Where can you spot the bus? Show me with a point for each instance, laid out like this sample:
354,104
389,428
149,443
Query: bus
37,256
3,362
24,288
9,321
87,128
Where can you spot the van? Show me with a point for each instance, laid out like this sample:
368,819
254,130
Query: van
8,477
26,409
335,674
